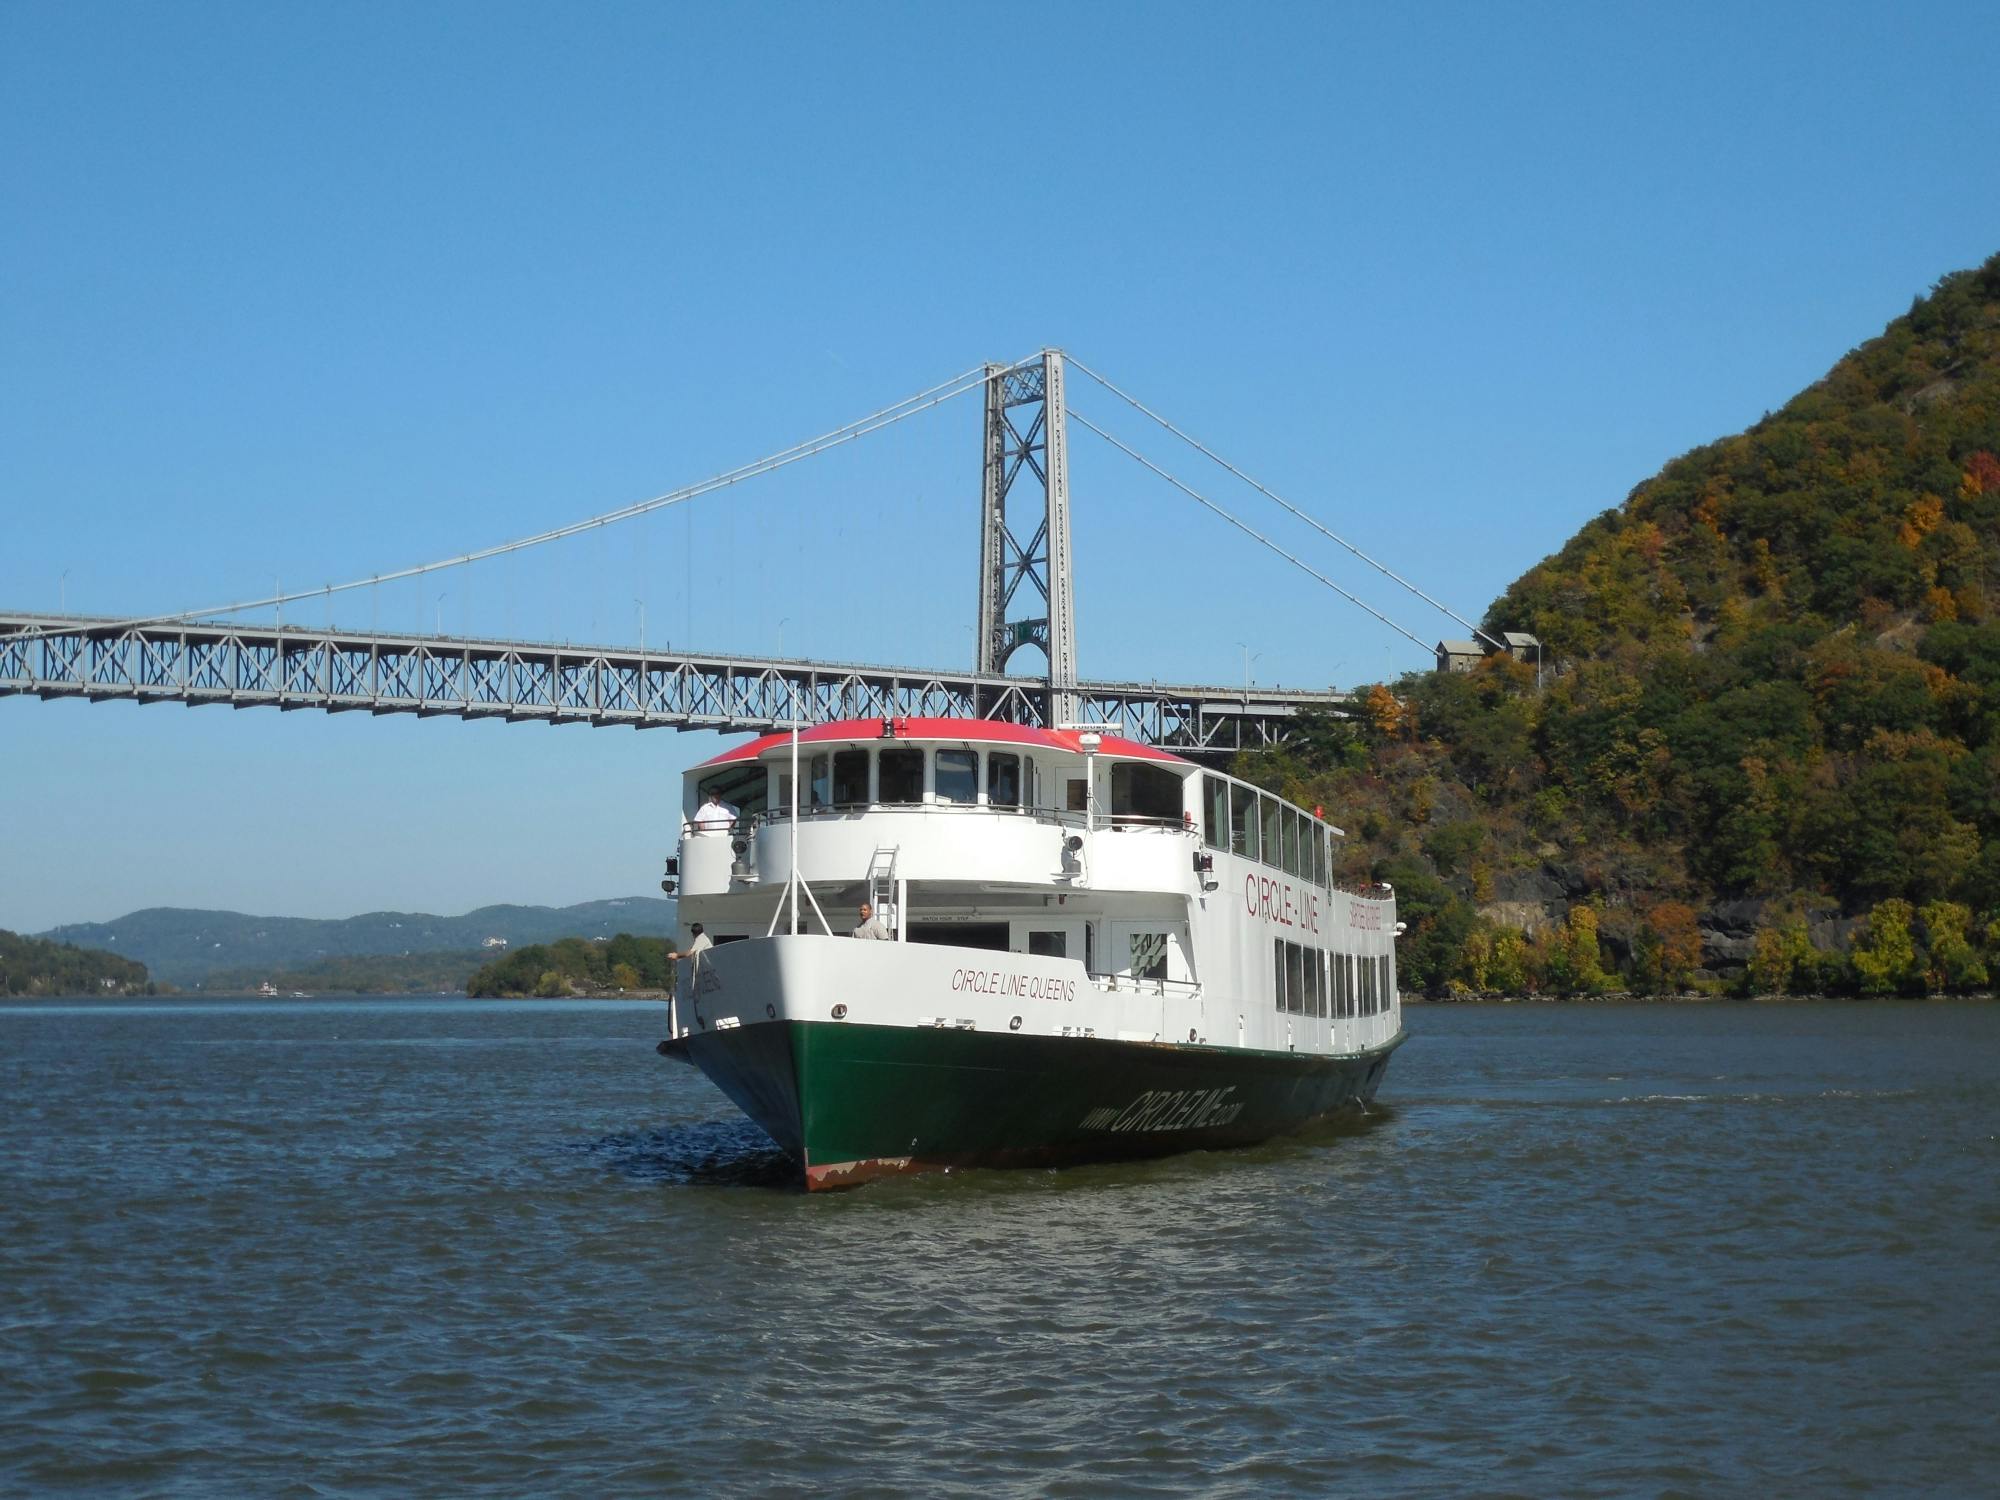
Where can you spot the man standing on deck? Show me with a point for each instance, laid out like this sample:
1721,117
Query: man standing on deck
870,925
714,815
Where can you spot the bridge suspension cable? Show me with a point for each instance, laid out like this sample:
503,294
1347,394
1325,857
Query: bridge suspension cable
888,416
1214,457
1245,528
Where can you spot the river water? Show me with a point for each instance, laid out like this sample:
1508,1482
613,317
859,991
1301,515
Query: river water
344,1247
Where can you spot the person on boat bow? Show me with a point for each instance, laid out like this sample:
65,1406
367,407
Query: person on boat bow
870,925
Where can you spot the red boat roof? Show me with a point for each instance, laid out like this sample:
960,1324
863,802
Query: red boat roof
983,731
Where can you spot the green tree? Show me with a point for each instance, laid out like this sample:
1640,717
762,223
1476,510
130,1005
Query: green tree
1884,953
1954,963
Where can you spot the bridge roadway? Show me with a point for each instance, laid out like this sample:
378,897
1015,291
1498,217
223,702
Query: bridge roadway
288,667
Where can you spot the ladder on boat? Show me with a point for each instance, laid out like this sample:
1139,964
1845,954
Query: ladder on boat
883,889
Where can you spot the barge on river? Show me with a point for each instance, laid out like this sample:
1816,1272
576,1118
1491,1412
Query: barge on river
1093,949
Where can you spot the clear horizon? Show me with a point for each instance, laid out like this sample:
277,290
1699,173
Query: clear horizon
296,296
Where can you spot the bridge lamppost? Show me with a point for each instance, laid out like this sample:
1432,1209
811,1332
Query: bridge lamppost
1247,659
440,609
62,593
781,633
642,622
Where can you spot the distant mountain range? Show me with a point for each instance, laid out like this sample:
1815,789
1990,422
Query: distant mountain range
183,947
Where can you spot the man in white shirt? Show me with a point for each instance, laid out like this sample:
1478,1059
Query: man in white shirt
714,815
698,945
870,925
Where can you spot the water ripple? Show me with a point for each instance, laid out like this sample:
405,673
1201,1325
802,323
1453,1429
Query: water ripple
380,1250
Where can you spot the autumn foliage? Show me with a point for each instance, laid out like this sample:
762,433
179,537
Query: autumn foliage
1768,753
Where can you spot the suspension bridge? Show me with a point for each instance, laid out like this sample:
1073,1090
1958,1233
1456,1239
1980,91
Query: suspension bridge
1026,600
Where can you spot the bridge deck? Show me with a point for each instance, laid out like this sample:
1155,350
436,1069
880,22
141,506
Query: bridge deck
57,656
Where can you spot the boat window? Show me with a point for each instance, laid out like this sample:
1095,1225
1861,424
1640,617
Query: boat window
1291,822
850,777
1319,962
1274,842
957,776
1003,779
900,775
1142,791
1048,944
1295,979
1215,812
1243,822
1388,981
1278,993
1149,955
1343,973
1319,852
821,785
1367,967
1079,795
992,935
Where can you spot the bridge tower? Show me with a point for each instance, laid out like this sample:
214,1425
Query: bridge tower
1026,434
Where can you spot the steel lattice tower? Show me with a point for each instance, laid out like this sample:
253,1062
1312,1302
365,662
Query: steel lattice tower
1040,447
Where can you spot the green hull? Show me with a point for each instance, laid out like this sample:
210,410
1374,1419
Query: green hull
851,1102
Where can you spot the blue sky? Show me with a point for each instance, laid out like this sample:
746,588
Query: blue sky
304,293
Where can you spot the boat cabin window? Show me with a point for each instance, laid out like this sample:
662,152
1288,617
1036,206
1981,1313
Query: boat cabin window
1319,854
1215,812
899,775
1149,955
1003,779
1278,992
1295,979
1079,795
1289,820
958,776
819,790
850,778
1140,791
1053,944
991,935
1274,839
1243,822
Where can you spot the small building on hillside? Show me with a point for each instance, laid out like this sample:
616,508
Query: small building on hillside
1463,656
1459,656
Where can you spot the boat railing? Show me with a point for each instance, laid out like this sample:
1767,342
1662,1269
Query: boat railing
1134,984
826,813
1061,817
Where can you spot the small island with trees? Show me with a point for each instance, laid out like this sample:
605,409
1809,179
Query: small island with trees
577,967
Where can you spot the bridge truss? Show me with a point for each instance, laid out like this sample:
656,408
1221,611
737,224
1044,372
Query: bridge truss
288,667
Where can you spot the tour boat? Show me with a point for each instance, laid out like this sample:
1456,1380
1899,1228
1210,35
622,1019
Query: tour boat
1094,949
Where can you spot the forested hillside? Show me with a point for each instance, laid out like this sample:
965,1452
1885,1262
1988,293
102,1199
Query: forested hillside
1765,753
33,966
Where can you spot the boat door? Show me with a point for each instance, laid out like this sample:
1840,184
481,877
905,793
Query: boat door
1047,936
